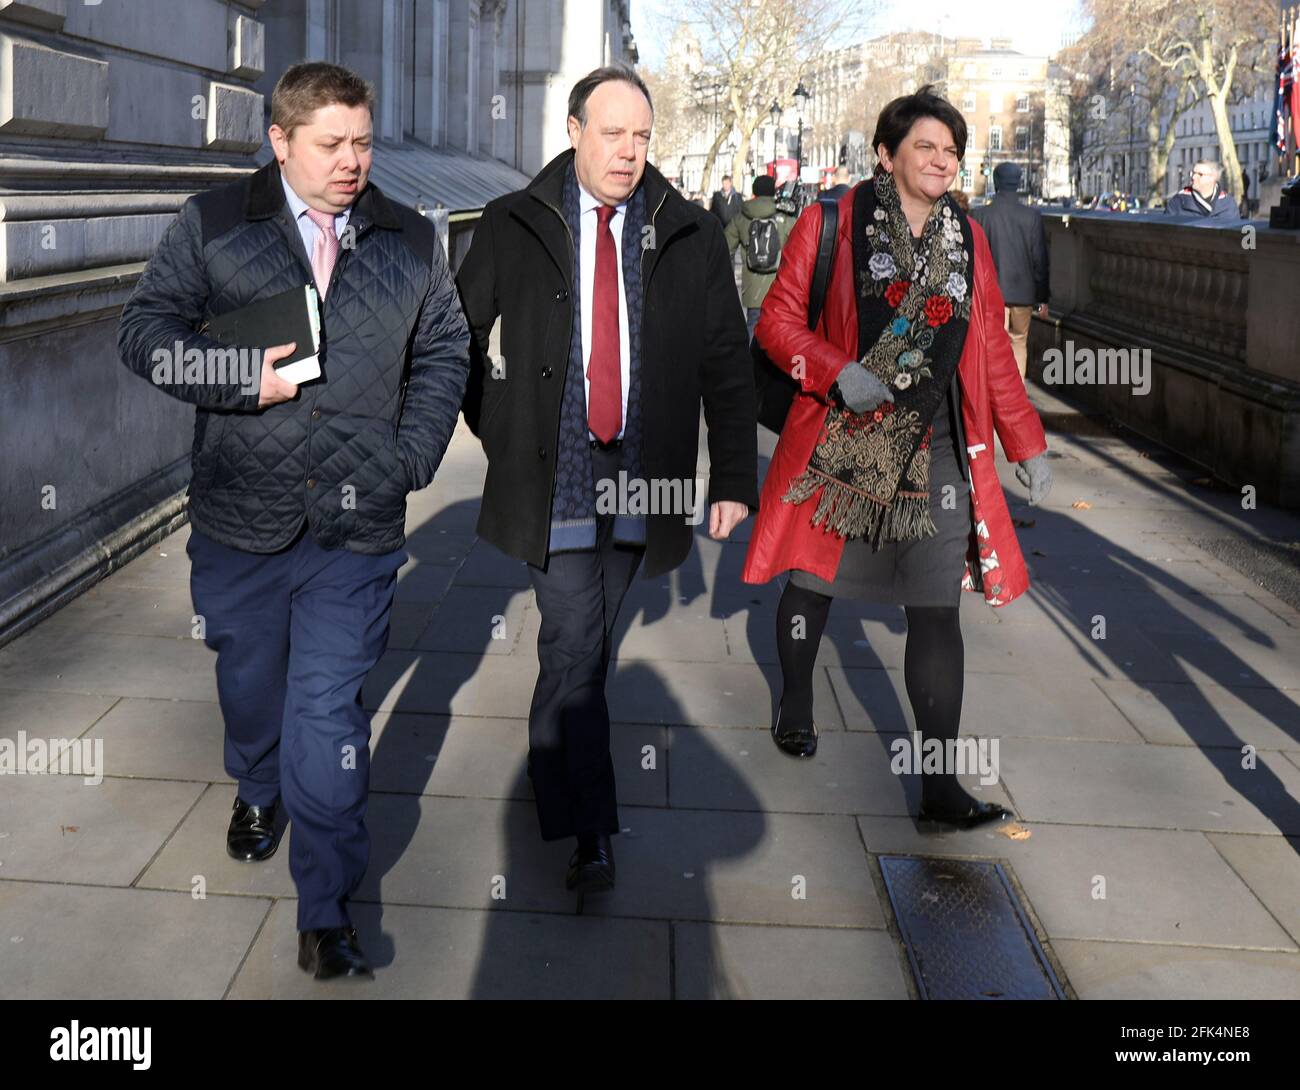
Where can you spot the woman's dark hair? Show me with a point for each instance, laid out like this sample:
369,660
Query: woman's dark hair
583,88
898,117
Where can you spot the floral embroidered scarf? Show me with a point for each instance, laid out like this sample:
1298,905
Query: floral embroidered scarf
914,302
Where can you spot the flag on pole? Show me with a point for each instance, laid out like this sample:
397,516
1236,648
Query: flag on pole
1285,87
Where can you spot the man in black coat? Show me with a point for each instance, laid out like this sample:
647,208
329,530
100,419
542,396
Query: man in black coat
1204,199
619,315
726,202
1019,246
298,496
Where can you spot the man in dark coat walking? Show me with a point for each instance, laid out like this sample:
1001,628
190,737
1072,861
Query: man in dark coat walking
1204,199
726,202
1019,245
619,315
298,497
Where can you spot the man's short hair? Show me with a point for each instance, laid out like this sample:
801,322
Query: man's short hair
765,186
583,88
305,88
841,175
726,177
1212,164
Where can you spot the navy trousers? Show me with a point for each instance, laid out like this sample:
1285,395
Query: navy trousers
296,632
578,598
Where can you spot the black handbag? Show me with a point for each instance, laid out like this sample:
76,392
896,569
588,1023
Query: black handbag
774,387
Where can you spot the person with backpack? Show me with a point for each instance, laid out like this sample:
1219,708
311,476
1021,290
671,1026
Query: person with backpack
760,229
883,485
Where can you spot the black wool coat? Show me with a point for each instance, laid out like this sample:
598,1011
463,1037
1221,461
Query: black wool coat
694,350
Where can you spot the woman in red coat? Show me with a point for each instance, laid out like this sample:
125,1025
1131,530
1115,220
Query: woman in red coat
882,486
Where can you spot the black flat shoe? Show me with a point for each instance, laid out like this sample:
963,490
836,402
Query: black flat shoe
796,742
592,867
331,952
978,813
251,836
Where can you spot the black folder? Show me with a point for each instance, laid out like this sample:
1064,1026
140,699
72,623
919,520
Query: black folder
292,315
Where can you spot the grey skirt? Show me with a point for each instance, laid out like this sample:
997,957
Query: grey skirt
927,572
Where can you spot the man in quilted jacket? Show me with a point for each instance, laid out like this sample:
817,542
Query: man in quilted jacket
298,494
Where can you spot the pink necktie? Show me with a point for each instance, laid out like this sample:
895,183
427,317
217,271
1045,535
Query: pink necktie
605,396
326,250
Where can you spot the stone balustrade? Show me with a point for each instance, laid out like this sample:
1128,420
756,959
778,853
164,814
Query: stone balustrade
1215,307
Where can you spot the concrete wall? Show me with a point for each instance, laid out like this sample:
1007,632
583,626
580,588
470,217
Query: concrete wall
1215,307
111,115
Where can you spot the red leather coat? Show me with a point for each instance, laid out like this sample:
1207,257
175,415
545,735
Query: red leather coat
992,397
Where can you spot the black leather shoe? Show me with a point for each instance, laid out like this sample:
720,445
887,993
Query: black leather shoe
592,866
251,836
978,813
797,741
331,952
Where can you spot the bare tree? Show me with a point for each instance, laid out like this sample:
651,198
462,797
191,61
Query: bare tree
1182,52
1224,45
760,49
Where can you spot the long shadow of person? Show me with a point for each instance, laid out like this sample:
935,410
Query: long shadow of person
622,944
1158,649
424,684
467,606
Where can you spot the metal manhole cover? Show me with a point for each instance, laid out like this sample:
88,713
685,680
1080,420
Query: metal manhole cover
966,934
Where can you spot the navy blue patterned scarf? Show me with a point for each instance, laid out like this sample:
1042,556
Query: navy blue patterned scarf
573,507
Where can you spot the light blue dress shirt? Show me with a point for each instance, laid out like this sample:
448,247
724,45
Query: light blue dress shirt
306,228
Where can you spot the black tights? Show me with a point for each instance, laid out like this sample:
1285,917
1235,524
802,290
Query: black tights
933,671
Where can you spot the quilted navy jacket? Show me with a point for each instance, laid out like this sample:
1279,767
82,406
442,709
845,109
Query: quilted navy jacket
394,357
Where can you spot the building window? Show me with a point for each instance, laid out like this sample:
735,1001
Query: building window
1024,72
969,71
1022,104
968,102
995,102
995,72
995,138
970,136
1022,138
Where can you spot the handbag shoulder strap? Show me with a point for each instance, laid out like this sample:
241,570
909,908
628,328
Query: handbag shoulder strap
825,256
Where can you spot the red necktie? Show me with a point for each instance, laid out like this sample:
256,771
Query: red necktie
604,373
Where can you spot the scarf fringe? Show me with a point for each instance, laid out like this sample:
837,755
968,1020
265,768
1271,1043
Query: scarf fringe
851,514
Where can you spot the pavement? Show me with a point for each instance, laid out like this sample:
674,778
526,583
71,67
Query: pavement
1155,772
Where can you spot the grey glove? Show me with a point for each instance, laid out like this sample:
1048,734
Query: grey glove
1036,475
860,389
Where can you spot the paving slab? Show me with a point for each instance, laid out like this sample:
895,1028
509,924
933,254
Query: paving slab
431,953
850,774
734,962
1005,705
85,942
60,829
1189,714
1152,787
1127,970
49,714
109,664
163,740
1270,865
1160,886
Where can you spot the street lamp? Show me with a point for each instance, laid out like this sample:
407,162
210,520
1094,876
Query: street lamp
775,112
801,97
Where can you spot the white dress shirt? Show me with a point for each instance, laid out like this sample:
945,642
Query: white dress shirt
587,205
